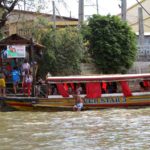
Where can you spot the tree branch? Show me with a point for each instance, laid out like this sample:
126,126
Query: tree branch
6,10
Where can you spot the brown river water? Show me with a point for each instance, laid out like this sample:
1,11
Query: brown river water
109,129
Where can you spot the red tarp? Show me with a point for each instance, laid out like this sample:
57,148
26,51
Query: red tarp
104,87
62,90
93,90
65,86
125,88
146,83
72,86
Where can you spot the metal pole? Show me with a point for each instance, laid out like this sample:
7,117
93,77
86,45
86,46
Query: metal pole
97,6
54,15
81,11
24,5
123,9
141,26
141,35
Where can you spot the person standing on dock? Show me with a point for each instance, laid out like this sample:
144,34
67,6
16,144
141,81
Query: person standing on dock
25,67
2,84
15,78
27,82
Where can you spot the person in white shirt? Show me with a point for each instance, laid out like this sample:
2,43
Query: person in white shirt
48,75
78,89
25,67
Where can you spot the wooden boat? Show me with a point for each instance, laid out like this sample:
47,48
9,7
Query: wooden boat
98,92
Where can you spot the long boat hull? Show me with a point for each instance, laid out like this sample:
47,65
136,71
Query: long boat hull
66,104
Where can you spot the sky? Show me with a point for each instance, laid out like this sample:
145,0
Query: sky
67,7
70,7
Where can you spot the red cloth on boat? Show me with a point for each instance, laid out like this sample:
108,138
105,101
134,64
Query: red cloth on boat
62,90
66,86
72,86
93,90
125,88
104,86
146,83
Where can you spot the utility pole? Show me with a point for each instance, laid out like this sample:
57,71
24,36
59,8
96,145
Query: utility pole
123,9
24,5
97,7
141,26
81,11
141,38
54,15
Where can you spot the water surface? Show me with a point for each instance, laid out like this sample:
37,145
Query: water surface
110,129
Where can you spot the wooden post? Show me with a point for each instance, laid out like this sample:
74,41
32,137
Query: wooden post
33,63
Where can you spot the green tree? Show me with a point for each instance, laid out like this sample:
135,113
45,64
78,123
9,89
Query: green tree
1,35
63,52
112,44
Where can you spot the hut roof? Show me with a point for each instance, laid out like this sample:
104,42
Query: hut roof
15,39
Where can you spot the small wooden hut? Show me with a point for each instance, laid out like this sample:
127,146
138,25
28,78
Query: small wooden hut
24,49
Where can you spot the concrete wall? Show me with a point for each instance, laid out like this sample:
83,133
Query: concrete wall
88,68
140,67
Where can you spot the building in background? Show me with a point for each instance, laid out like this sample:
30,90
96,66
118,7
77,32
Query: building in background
142,64
20,22
133,18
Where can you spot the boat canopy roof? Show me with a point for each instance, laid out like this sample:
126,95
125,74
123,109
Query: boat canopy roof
100,78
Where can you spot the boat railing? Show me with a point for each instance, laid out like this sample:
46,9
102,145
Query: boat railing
103,95
140,93
121,94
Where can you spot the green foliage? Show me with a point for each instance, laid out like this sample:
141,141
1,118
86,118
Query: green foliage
1,35
64,48
63,52
85,33
112,44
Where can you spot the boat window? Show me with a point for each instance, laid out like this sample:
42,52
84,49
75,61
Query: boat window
67,89
54,89
139,85
144,85
109,87
134,85
80,88
93,90
71,88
